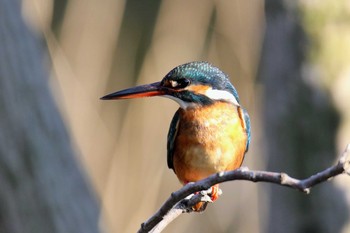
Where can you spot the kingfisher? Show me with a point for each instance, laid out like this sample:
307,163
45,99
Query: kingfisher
210,132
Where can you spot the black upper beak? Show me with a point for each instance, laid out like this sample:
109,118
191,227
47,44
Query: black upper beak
153,89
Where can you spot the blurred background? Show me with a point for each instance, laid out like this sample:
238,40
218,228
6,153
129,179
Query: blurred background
289,61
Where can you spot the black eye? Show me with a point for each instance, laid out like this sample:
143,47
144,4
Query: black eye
182,83
175,84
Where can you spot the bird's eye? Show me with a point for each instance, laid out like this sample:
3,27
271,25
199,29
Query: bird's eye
175,84
182,83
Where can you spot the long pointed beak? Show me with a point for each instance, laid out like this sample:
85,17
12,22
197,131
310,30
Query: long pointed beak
153,89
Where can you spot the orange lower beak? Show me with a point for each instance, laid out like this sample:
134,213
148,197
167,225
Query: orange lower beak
153,89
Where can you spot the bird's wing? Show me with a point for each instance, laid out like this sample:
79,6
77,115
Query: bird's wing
174,125
247,127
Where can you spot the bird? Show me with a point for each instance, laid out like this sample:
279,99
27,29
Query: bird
210,132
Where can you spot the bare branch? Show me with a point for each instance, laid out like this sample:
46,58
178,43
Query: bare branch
180,202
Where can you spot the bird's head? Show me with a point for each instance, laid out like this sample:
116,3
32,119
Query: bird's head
192,84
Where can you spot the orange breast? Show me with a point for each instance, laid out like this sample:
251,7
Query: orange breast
209,140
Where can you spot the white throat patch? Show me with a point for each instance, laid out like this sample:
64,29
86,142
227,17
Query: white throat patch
183,104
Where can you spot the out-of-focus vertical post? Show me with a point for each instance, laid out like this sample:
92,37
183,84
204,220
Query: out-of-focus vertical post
300,124
41,186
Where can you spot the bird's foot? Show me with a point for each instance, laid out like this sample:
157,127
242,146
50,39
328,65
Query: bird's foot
215,192
210,195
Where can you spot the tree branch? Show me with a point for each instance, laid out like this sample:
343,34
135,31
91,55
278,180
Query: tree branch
181,201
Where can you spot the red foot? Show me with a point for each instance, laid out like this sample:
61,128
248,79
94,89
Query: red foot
200,206
214,192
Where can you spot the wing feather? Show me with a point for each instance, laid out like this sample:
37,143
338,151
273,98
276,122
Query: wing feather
247,127
174,125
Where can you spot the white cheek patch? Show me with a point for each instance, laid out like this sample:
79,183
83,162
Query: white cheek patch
210,93
221,95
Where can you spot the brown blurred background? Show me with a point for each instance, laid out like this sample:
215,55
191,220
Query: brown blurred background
289,60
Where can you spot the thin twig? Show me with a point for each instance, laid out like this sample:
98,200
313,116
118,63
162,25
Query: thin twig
177,203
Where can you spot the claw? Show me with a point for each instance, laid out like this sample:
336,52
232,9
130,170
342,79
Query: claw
208,196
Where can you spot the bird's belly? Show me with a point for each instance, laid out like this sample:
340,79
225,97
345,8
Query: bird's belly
209,144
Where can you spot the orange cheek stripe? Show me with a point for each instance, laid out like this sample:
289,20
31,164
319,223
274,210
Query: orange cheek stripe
199,89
